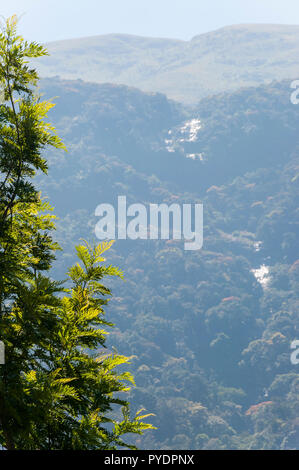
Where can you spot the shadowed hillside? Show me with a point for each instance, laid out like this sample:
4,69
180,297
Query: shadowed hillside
211,329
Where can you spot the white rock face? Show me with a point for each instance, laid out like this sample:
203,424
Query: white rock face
262,275
187,133
190,130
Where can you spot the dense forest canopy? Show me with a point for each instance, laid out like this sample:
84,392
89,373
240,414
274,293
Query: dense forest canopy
211,330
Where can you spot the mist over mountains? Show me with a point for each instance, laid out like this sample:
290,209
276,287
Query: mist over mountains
222,60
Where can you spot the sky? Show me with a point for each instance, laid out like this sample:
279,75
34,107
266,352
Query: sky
51,20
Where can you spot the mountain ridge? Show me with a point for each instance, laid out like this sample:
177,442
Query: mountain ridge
253,26
186,71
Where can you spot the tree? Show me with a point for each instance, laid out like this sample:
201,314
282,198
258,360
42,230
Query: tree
59,389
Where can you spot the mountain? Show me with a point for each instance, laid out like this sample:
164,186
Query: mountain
226,59
210,330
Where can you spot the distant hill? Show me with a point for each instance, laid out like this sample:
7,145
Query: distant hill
222,60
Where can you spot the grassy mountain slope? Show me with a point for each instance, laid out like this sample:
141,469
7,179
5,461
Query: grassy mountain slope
226,59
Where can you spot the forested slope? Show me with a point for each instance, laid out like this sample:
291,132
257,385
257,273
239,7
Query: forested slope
211,329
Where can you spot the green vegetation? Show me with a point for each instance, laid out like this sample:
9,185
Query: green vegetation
59,387
212,342
209,332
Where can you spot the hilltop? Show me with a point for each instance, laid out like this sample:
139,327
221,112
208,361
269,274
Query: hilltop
222,60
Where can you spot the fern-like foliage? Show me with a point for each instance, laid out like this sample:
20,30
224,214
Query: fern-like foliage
59,389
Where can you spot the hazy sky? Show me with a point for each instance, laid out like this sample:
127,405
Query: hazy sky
50,20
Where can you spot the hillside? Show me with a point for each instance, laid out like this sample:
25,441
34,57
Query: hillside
222,60
211,329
